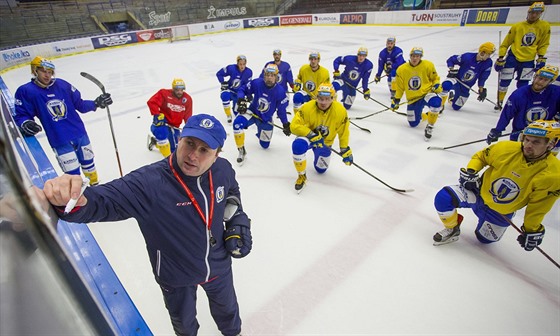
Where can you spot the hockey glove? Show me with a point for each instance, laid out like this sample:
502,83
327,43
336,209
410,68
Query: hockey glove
395,104
367,94
482,93
336,75
500,63
30,128
238,239
224,86
159,120
316,140
323,130
437,88
377,79
242,106
297,85
469,179
493,136
541,61
286,128
452,73
530,240
103,100
388,67
347,156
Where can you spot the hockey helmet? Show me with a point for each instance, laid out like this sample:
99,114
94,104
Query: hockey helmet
315,54
270,68
325,90
417,51
392,39
241,57
536,7
178,83
487,47
363,51
549,129
549,72
277,52
40,62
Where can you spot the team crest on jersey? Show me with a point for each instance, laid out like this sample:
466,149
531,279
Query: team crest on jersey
220,193
236,83
57,109
354,75
263,105
310,86
184,100
504,190
468,76
279,78
414,83
535,113
528,39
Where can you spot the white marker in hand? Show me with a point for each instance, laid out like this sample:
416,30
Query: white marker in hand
72,202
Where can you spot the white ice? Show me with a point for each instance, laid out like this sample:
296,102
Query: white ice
347,256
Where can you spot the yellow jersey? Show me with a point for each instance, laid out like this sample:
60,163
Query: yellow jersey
511,183
312,79
415,81
527,40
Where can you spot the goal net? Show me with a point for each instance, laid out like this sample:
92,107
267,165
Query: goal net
180,33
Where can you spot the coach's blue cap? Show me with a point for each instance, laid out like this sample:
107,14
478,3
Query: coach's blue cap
206,128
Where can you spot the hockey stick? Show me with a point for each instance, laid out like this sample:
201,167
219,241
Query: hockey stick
375,177
373,81
375,100
98,83
468,143
498,107
282,128
473,90
538,248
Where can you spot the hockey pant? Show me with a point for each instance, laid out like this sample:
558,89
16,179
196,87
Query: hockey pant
348,93
181,305
76,153
264,129
227,96
522,70
461,93
301,97
322,155
491,224
414,110
165,134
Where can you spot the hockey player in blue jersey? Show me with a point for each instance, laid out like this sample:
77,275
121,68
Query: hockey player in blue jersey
473,67
540,100
356,68
239,74
268,98
390,58
56,103
285,75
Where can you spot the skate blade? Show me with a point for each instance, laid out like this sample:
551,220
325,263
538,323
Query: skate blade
299,191
450,240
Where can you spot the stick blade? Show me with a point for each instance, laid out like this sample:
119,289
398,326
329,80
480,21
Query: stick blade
94,80
435,147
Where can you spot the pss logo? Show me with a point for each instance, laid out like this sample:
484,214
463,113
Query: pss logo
114,40
260,22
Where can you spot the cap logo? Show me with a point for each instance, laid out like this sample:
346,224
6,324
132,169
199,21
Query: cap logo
206,123
535,132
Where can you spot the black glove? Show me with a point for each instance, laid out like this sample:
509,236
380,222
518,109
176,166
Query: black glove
241,105
452,73
224,86
530,240
103,100
493,136
286,128
238,239
30,128
482,93
469,179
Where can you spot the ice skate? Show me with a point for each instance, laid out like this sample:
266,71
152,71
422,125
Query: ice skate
498,106
428,132
447,236
229,119
300,182
151,142
241,155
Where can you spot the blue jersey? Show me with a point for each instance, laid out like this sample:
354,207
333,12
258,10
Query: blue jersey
470,69
266,100
390,59
236,77
285,75
354,71
525,105
56,107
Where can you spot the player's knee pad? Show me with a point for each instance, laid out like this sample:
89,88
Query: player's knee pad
487,232
458,102
348,101
526,74
240,122
337,84
265,135
447,85
160,132
69,162
225,96
85,153
300,146
506,74
322,159
445,200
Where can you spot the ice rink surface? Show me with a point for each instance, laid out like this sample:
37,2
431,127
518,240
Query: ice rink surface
347,256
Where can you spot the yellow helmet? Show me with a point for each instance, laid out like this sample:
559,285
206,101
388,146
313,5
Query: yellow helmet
363,51
417,51
40,62
536,7
549,72
487,47
326,90
270,68
315,54
549,129
178,83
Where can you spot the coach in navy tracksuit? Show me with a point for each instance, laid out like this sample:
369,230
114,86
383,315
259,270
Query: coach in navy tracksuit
181,204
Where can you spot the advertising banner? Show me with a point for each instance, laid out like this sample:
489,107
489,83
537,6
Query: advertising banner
261,22
113,40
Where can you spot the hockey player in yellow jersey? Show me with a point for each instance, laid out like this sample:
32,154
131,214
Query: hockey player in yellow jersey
524,42
520,174
316,126
308,80
418,81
